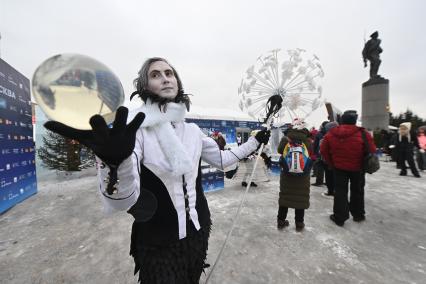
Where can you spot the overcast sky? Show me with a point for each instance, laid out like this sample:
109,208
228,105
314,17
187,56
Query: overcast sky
212,43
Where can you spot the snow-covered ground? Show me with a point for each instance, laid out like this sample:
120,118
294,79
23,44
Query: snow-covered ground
60,235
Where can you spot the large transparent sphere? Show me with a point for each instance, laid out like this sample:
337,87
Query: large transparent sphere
70,88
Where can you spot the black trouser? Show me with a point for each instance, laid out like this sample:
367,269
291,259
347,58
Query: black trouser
329,179
421,160
319,164
407,156
299,214
355,206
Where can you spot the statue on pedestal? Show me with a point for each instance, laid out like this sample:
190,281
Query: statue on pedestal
371,52
375,91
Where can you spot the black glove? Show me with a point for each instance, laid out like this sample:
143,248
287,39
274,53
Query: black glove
263,136
111,145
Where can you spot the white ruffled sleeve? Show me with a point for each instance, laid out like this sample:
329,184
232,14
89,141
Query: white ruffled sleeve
222,159
128,186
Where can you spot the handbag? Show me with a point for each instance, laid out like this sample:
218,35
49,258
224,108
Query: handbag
370,162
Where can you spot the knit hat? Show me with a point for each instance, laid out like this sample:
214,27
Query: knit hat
298,123
330,125
349,117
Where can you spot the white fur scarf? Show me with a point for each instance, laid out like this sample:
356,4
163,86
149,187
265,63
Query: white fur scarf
170,144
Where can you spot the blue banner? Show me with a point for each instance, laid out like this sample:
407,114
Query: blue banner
275,168
212,179
17,157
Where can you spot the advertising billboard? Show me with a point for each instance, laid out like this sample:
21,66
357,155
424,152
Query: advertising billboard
17,152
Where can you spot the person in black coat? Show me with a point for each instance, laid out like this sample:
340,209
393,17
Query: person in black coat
403,144
318,166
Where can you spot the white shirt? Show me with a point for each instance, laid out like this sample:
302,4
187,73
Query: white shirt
147,150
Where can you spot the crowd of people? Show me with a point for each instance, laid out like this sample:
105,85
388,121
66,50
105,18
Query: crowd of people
338,151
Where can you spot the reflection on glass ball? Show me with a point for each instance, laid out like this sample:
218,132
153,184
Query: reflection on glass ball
70,88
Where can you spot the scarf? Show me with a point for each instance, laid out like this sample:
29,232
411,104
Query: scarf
161,123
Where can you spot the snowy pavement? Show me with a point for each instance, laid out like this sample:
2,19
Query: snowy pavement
60,235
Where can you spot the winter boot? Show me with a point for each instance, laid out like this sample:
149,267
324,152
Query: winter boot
300,226
328,194
282,223
338,223
359,218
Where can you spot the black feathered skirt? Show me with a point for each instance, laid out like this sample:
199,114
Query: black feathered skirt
181,262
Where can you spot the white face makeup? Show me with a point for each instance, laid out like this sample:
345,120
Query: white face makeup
162,80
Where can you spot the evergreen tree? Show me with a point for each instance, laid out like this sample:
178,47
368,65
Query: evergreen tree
381,138
63,154
407,116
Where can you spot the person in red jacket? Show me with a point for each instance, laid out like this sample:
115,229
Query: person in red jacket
343,150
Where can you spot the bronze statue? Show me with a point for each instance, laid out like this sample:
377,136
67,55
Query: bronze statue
371,52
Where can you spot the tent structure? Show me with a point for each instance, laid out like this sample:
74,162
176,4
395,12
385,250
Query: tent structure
199,112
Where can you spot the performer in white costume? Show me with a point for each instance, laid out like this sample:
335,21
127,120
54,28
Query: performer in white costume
151,168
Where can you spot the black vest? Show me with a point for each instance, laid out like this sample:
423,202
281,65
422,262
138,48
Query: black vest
163,227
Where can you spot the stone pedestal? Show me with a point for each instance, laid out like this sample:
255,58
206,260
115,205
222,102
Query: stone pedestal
375,104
